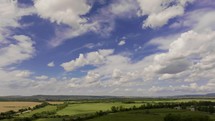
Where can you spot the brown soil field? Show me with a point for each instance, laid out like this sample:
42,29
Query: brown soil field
6,106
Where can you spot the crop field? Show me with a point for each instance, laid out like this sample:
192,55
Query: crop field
75,109
6,106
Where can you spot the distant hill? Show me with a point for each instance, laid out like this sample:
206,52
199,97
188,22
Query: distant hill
209,95
54,98
88,97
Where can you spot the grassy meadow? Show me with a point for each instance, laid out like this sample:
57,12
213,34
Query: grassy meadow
143,115
85,108
47,108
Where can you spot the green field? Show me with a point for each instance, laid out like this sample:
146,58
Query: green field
47,108
177,100
76,109
51,119
153,115
142,115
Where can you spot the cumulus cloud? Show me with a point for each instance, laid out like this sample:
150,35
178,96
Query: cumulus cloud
181,63
65,11
43,77
22,50
122,42
23,74
180,53
190,88
71,13
11,13
51,64
14,48
125,8
192,20
159,12
92,58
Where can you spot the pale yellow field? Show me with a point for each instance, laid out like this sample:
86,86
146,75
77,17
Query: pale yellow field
55,102
6,106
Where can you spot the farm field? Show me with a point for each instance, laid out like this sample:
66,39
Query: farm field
6,106
75,109
152,115
141,115
47,108
55,102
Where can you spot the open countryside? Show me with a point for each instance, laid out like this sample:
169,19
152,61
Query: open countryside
114,110
107,60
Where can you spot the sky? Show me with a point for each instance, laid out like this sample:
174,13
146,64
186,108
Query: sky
107,47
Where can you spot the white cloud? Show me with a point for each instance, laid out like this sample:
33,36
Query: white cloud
159,12
43,77
23,74
92,58
181,56
182,63
125,8
11,13
189,88
163,43
122,42
68,12
65,11
162,18
192,20
15,53
51,64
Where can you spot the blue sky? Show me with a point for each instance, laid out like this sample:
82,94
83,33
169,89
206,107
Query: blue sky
107,47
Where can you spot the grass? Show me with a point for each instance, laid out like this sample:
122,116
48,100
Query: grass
76,109
49,119
153,115
47,108
7,106
141,115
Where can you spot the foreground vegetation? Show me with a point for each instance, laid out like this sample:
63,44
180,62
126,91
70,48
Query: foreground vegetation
115,111
150,115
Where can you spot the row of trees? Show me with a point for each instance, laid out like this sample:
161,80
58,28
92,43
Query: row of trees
7,115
